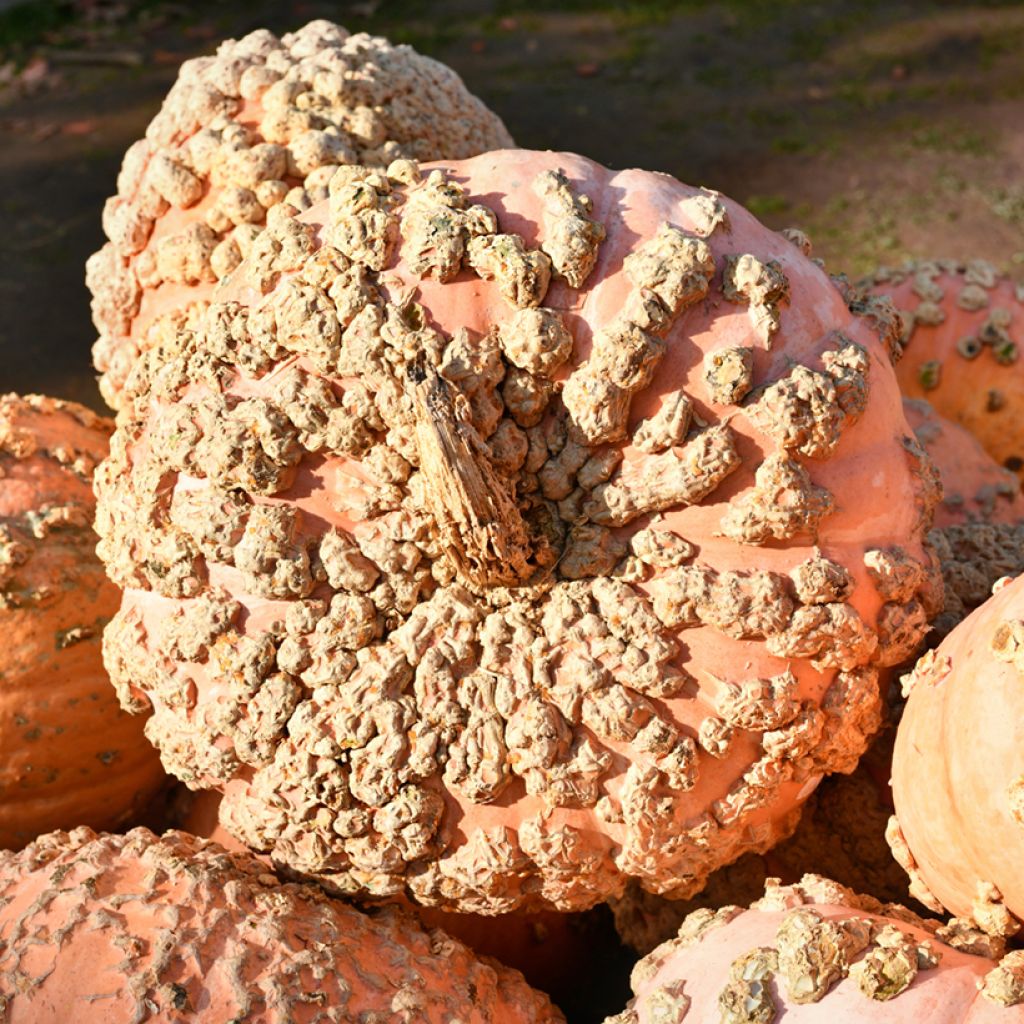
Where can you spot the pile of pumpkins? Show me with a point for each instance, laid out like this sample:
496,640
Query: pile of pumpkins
485,532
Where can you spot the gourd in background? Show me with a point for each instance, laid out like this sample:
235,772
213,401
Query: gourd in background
69,754
246,139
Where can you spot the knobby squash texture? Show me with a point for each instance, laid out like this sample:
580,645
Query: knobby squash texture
68,752
979,524
964,329
135,927
245,139
842,829
523,527
958,769
816,951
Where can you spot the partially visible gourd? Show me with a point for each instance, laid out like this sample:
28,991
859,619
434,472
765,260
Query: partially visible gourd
246,139
958,768
963,343
111,928
817,952
69,754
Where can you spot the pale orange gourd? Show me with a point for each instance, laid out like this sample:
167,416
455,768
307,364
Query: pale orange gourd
514,532
68,753
975,489
135,927
250,135
551,950
817,952
958,768
964,331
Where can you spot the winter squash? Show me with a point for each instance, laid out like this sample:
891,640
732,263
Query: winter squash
958,765
978,535
842,830
551,950
248,137
815,951
526,528
975,489
68,753
135,927
964,326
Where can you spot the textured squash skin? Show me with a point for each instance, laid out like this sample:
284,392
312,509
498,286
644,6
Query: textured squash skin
248,135
964,331
958,765
495,787
815,951
68,753
134,927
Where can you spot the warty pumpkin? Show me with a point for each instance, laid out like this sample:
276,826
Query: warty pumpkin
963,331
978,535
550,949
120,928
816,951
68,753
958,767
245,139
526,528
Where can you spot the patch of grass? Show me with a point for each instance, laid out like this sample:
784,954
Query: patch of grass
766,206
26,24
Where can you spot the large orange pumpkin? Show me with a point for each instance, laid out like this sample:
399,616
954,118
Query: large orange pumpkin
958,768
526,528
68,753
964,330
114,929
817,952
245,139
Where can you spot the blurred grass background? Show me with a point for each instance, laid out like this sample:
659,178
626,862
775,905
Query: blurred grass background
886,130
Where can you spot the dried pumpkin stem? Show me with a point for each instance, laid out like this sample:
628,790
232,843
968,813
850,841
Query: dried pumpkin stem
472,505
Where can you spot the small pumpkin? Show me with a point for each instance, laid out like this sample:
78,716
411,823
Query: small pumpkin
978,536
68,753
963,334
529,528
135,927
958,768
816,951
247,138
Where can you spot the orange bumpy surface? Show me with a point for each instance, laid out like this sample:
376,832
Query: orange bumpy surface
513,528
247,136
815,951
958,768
68,753
964,329
172,929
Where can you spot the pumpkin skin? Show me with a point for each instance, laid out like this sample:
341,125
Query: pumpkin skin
974,487
815,951
167,929
249,135
957,768
842,829
68,752
551,950
978,535
619,785
964,326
